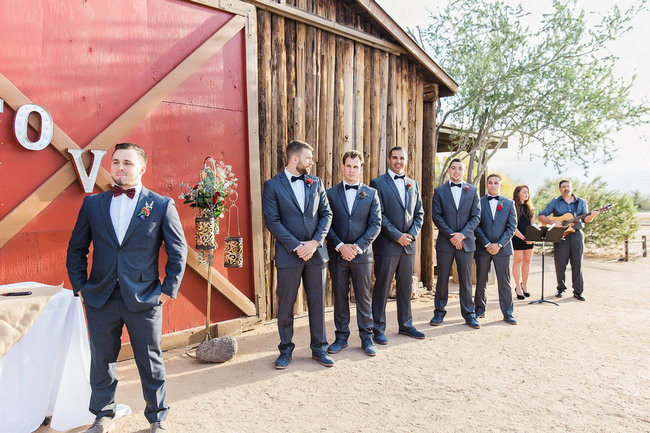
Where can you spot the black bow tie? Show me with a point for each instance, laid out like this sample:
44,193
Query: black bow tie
456,184
117,191
397,176
295,178
347,187
493,197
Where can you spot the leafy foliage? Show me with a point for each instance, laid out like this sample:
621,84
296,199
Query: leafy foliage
609,229
552,83
212,190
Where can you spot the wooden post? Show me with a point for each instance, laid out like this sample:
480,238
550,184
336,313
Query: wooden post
380,157
278,91
644,245
391,111
370,158
264,95
359,95
343,48
428,185
374,107
294,106
627,253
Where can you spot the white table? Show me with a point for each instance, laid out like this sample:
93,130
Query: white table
47,371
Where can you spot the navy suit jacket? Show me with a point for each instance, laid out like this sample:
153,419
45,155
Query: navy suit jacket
450,220
289,225
498,230
397,218
360,227
135,261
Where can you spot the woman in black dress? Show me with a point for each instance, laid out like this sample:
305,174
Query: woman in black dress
523,250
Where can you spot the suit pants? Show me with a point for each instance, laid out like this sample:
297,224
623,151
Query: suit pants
464,267
401,267
313,278
145,331
340,273
570,250
502,269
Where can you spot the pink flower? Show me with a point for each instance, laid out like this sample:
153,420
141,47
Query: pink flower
362,194
309,181
466,188
499,207
408,185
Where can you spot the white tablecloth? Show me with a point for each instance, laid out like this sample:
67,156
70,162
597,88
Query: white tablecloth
47,371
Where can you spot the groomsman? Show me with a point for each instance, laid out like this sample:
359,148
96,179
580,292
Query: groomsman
297,214
493,234
456,213
356,223
401,222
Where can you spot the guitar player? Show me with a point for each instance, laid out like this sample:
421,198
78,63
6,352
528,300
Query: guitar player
572,248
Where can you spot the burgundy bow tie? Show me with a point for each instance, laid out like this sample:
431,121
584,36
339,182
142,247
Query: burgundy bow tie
130,193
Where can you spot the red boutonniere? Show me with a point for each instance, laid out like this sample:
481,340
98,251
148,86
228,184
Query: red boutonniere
408,186
362,194
499,207
466,188
309,181
146,210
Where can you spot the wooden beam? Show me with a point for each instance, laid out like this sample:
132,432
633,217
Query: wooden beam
221,283
254,169
329,25
428,185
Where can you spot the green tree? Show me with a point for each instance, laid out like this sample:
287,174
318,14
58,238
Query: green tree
642,201
609,229
552,83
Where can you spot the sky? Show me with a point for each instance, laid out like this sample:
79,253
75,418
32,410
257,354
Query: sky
630,168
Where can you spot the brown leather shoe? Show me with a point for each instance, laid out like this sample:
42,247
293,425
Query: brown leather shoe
160,427
102,425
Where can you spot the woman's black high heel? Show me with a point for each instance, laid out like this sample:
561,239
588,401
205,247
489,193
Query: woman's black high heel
526,294
518,295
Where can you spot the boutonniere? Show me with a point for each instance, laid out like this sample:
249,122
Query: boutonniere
408,186
309,181
362,194
466,188
146,210
499,207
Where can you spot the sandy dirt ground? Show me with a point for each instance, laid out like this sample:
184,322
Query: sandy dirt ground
576,367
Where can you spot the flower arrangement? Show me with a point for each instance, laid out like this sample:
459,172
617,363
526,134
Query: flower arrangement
408,186
145,212
209,194
309,181
466,188
499,207
362,194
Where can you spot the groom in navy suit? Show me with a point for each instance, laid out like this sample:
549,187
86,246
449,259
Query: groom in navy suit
493,244
456,213
356,223
298,215
127,226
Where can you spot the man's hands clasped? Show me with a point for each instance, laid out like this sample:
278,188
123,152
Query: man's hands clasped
307,249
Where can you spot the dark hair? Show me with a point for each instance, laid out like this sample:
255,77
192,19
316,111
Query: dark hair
494,175
130,146
353,154
526,208
559,185
390,152
455,160
295,147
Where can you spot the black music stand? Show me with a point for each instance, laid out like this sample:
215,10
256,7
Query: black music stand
543,235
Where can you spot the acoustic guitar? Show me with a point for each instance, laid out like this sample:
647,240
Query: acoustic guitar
568,220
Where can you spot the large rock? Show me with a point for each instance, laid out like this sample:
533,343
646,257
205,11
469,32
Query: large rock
220,349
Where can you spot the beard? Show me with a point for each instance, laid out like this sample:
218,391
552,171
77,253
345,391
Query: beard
302,169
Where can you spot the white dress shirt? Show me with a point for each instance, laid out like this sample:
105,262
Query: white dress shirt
400,185
121,211
350,197
493,205
456,192
298,189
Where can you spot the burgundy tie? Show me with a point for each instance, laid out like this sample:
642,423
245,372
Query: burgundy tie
130,193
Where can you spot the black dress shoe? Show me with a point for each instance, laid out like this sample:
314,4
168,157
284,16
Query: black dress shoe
559,294
579,296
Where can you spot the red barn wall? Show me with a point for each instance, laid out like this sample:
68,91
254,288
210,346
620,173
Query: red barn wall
86,63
